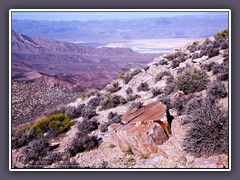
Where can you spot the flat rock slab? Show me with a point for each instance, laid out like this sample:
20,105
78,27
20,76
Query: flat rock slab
141,131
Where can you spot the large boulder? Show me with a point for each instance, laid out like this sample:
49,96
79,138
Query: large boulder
142,129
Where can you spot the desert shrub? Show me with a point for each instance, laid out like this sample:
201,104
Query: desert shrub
87,126
74,111
174,55
181,104
104,126
57,110
114,87
143,87
221,34
213,52
156,91
146,68
111,101
112,118
208,130
177,61
223,77
82,143
36,150
58,123
192,80
52,157
193,47
192,104
137,105
160,75
121,76
132,97
129,91
170,79
22,136
88,112
128,77
220,68
94,102
165,100
217,90
208,67
163,62
224,44
169,88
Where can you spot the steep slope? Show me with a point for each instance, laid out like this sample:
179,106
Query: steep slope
191,82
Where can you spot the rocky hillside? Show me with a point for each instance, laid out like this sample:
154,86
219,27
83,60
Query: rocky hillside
30,100
171,114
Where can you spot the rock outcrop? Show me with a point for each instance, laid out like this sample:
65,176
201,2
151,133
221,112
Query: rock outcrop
143,129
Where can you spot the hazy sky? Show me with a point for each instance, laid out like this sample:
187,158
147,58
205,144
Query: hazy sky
87,16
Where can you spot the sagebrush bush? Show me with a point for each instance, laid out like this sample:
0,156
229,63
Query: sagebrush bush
57,123
160,75
143,87
114,87
146,68
82,143
223,77
112,118
208,67
52,157
208,130
213,52
111,101
121,76
221,34
74,111
86,126
224,44
132,97
104,126
177,61
163,62
128,76
129,91
36,150
94,102
136,105
193,47
174,55
220,68
180,104
88,112
217,90
169,88
192,80
156,91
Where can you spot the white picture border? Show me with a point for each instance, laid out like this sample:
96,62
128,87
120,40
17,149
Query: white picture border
117,10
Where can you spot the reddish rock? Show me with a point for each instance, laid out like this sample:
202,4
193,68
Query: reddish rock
143,129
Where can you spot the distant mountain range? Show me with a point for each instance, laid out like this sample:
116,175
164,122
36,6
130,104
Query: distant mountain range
109,31
69,65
